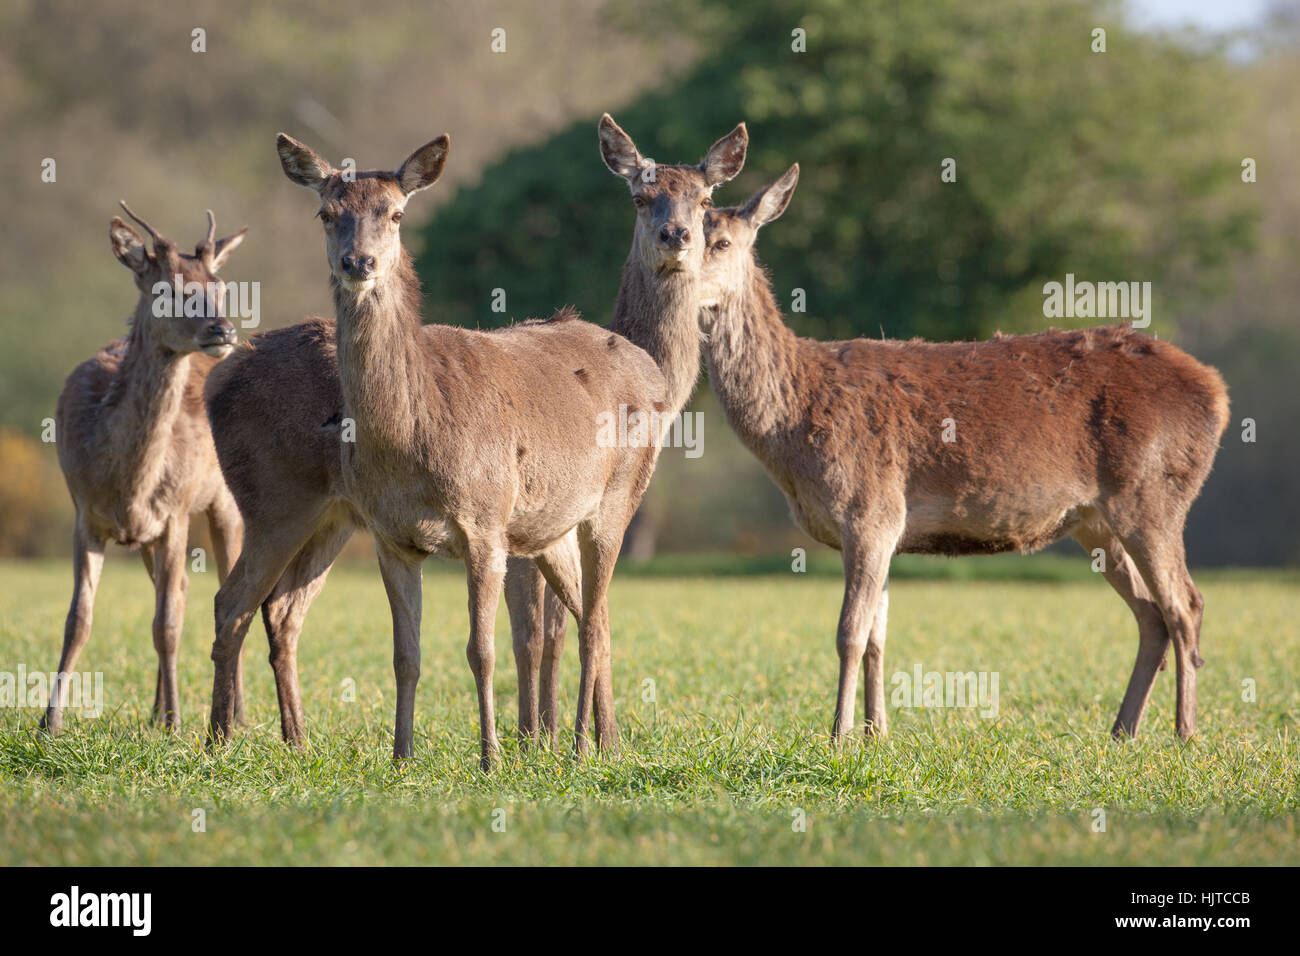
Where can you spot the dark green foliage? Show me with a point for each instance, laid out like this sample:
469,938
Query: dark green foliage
1102,164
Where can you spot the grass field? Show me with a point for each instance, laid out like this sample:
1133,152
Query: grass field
718,768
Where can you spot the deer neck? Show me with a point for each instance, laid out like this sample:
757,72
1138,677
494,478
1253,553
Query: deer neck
753,361
660,312
146,398
379,352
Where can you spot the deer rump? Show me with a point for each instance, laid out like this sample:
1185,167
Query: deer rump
276,410
998,445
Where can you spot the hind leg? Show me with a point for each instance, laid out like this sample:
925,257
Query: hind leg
285,610
1156,547
87,563
1153,638
526,602
270,544
561,566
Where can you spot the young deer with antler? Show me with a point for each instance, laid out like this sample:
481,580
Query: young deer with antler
472,445
283,390
1103,434
134,445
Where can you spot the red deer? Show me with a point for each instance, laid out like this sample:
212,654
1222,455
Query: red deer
471,445
134,445
1103,434
282,391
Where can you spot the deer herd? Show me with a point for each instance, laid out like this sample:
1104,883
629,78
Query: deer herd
481,446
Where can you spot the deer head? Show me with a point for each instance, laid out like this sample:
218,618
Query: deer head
729,236
361,212
671,200
181,296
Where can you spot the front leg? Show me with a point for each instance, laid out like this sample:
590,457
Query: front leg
866,568
485,566
170,585
227,529
402,576
877,721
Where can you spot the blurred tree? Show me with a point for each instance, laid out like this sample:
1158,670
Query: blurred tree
1109,165
32,498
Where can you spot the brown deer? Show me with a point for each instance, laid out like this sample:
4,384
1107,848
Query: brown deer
471,445
885,447
282,390
136,452
658,308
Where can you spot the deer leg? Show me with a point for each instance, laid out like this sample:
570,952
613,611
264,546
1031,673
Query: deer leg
485,566
556,620
227,529
87,563
146,556
599,550
170,585
402,575
1160,560
285,610
866,567
873,691
561,566
269,546
526,601
1153,638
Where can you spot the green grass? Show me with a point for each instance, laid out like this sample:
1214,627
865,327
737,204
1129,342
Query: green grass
713,771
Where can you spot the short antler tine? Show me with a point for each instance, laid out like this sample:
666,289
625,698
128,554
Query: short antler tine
157,238
211,241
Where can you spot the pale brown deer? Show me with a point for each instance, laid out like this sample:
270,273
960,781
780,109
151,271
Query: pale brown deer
1104,434
136,452
282,391
658,309
471,445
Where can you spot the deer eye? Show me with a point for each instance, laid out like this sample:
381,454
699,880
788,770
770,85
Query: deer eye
706,202
397,216
723,244
638,201
325,216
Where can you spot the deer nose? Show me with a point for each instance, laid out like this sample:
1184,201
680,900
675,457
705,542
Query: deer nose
220,331
358,267
674,237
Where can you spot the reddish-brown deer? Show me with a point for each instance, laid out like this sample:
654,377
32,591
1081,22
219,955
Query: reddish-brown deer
134,445
472,445
282,391
1103,434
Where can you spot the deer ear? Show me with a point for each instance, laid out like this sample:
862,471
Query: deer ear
301,163
768,203
128,246
618,150
423,167
224,247
726,157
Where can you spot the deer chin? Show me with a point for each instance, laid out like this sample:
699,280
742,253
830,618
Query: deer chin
217,349
672,260
359,286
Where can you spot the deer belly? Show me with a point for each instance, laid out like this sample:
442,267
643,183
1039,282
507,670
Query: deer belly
939,525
